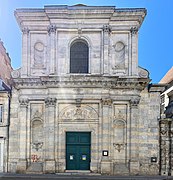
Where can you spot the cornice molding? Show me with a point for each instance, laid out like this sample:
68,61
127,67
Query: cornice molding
82,81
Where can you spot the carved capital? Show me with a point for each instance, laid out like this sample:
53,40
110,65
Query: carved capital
23,102
134,30
107,102
134,101
25,30
51,28
107,28
50,101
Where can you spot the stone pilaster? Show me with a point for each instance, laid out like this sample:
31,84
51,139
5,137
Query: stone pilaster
50,135
52,39
23,115
134,44
106,165
106,32
25,46
134,135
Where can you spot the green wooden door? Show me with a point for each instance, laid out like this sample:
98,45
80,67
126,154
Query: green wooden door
78,145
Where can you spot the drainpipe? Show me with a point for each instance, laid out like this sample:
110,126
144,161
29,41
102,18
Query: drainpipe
8,125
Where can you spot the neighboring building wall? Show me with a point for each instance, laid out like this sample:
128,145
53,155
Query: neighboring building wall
4,127
149,113
110,101
5,65
5,87
166,81
165,98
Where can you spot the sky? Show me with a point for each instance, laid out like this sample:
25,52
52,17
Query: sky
155,43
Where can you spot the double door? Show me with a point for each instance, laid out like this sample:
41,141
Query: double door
78,148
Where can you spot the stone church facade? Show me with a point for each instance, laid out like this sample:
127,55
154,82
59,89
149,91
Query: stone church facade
80,101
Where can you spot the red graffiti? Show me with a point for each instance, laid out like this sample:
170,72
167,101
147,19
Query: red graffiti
35,158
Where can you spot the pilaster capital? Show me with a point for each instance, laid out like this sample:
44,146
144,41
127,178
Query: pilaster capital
24,102
50,101
106,102
134,101
25,30
134,30
51,28
107,28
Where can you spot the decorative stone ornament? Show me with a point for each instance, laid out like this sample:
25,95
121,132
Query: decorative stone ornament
135,101
134,30
37,145
25,30
15,73
51,28
107,102
23,101
119,146
50,101
107,28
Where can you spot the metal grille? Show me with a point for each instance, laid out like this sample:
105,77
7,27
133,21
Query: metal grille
79,57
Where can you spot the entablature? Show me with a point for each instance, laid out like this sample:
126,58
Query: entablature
86,81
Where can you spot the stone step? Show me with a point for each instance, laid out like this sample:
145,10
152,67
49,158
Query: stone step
78,172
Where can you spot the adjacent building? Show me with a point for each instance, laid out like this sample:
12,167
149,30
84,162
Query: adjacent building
5,66
167,80
5,84
80,100
166,124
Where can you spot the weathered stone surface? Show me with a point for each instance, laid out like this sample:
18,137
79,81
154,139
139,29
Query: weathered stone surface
35,167
111,101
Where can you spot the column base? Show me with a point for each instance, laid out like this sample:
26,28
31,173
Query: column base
134,167
21,166
50,166
35,168
106,167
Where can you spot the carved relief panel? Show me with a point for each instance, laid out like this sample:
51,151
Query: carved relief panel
38,54
84,112
119,43
120,130
37,130
119,49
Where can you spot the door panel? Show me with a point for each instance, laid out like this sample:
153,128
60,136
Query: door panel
71,157
84,157
78,150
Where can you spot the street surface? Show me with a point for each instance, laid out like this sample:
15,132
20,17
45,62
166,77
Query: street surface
77,177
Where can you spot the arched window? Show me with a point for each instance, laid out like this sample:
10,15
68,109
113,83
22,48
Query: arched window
79,57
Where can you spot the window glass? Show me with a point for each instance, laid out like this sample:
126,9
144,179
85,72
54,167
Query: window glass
79,57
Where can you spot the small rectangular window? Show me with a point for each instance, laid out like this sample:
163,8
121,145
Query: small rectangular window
1,112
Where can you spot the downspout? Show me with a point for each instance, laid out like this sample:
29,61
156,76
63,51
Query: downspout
8,126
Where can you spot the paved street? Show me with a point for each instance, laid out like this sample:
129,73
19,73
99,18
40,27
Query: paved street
77,177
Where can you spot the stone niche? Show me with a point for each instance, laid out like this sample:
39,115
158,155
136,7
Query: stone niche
38,54
120,53
37,138
120,161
